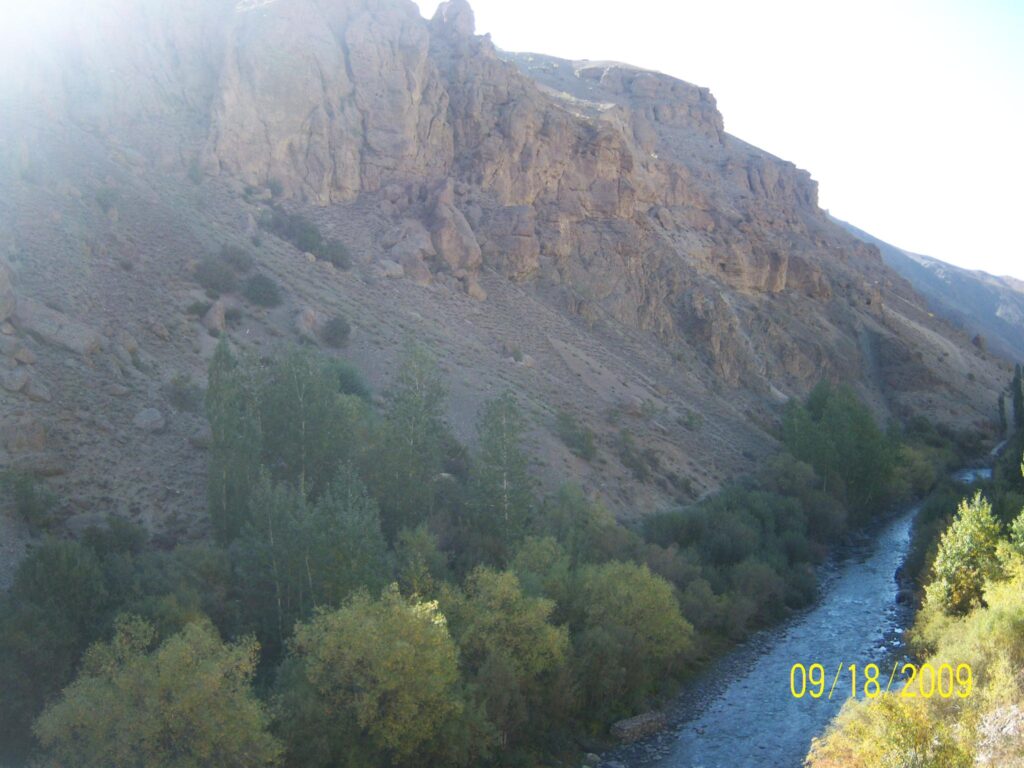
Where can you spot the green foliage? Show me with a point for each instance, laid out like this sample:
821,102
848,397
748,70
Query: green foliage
350,382
306,236
889,731
55,608
420,565
511,650
966,558
336,331
502,498
232,407
215,276
577,437
1017,395
637,462
236,257
837,435
403,468
295,556
629,635
262,291
184,394
386,669
189,702
32,502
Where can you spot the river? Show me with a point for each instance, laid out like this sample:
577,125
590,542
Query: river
741,714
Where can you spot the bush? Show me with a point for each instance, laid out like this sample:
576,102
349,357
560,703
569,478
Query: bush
33,504
336,331
198,308
107,198
577,438
215,276
336,253
276,187
184,394
261,290
306,236
236,257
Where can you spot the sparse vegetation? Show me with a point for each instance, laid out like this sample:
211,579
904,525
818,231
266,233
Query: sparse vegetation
107,197
336,331
262,290
236,257
306,236
577,437
184,394
33,503
215,276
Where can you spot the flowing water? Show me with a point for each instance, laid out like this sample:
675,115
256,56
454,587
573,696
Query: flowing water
741,713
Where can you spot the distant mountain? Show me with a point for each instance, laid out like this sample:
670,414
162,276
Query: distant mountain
975,301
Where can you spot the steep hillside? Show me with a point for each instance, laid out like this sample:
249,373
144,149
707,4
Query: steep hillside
974,301
584,233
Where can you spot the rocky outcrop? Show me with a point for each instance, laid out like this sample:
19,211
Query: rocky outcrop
56,328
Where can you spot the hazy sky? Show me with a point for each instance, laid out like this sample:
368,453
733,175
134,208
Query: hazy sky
909,113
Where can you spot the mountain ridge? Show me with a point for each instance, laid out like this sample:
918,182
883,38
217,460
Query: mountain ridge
586,234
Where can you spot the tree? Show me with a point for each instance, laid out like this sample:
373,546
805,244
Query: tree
236,441
420,565
1017,393
629,635
296,555
189,702
1003,423
966,558
502,489
309,428
373,682
404,466
510,648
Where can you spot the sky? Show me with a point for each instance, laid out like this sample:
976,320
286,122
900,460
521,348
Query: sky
908,113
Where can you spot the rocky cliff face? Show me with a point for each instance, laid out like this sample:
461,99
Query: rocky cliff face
591,214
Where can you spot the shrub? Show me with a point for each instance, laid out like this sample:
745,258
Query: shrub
198,308
336,331
32,503
578,438
261,290
336,253
184,394
107,198
215,276
236,257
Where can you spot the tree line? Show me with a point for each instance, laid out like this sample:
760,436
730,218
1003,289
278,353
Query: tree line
375,594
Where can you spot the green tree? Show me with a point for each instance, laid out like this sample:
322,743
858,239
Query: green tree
403,468
629,635
502,489
1017,393
374,682
510,648
188,703
236,441
966,558
420,565
297,555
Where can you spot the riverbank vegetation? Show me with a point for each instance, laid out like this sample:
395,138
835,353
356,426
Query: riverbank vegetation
968,558
375,594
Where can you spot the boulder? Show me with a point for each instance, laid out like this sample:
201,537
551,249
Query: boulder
214,320
450,233
149,420
14,380
635,728
391,269
56,328
307,321
38,391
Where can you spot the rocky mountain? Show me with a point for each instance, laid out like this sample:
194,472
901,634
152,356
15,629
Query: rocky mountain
585,233
976,302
